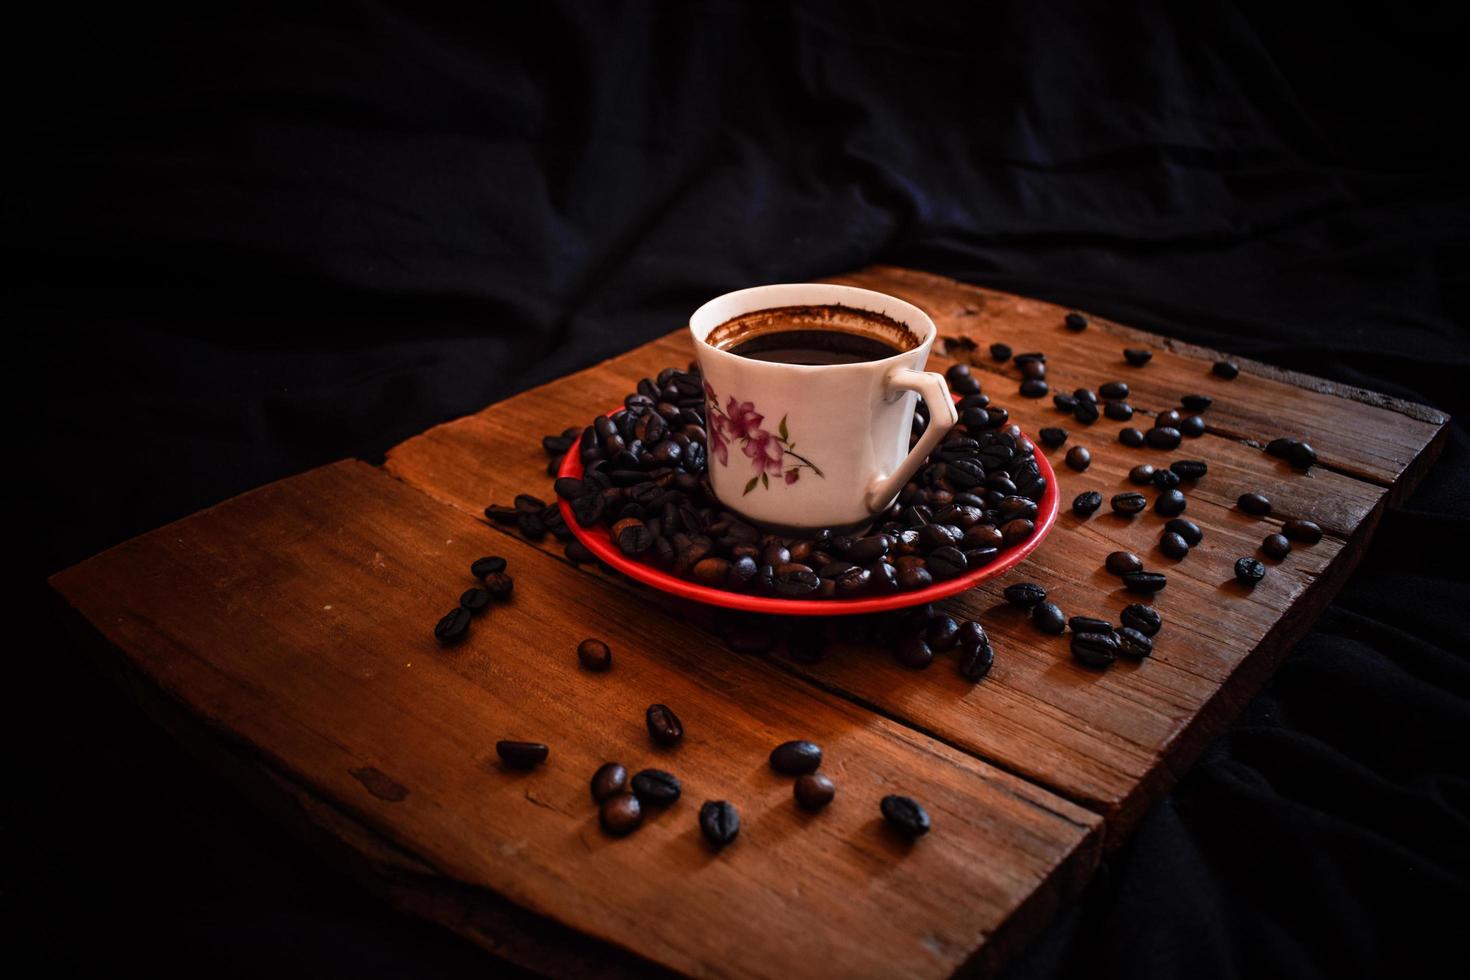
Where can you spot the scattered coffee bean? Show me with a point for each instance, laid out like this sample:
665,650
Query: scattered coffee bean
1134,644
521,755
500,585
1169,419
719,821
594,654
956,372
1096,650
1052,436
1186,529
1078,458
1137,356
1298,529
1123,563
813,791
1170,503
1162,438
1118,411
475,600
1000,352
1113,390
1026,595
1189,469
1166,479
1064,403
1145,582
663,725
1089,624
1048,618
1131,437
975,659
915,654
578,553
1075,322
654,787
1145,619
941,632
1128,504
620,814
1086,412
1276,546
1193,426
1173,546
453,626
1196,403
1142,474
1257,504
1280,448
1034,388
1302,456
1249,570
796,757
1086,503
610,779
905,816
487,566
1225,369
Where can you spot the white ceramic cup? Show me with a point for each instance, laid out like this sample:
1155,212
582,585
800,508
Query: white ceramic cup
798,447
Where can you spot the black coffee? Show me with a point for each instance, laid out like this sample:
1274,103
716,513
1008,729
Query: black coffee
813,347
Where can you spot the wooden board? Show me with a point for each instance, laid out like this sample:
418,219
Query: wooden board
275,625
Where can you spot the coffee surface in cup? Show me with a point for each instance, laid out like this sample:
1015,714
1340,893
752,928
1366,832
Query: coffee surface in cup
813,335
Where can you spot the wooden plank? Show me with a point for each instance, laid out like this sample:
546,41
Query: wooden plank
295,622
1110,741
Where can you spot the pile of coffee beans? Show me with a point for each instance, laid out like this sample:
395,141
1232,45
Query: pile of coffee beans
495,583
645,480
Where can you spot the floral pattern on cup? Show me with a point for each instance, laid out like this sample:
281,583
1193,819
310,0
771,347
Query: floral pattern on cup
771,453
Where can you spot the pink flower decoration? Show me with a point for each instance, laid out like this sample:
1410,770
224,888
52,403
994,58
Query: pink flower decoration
719,440
765,452
791,475
745,421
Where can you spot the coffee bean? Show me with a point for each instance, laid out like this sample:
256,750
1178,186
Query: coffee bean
1170,503
475,600
594,654
1086,503
589,508
1086,412
527,504
1301,530
1000,352
1134,644
663,725
956,371
1186,529
711,571
794,580
1075,322
1196,403
521,755
1025,595
1118,411
975,659
1096,650
1169,419
913,578
1144,619
1131,437
1302,456
1276,546
905,816
1012,532
869,549
610,779
1193,426
453,626
1137,356
578,553
654,787
1254,503
634,538
1162,438
1089,624
487,566
1166,479
1052,436
1048,618
719,821
620,814
915,654
1078,458
941,632
1034,388
1142,474
1225,369
1189,469
946,563
1123,563
796,757
1146,582
1280,448
1249,570
500,585
1173,546
813,791
1128,504
1113,390
1064,403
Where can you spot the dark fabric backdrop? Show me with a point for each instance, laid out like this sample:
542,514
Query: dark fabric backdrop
243,242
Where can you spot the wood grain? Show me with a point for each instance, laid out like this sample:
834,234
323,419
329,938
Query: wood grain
297,619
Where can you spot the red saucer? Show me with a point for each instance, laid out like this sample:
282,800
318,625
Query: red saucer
600,543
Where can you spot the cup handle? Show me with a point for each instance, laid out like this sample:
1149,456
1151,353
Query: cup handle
942,417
